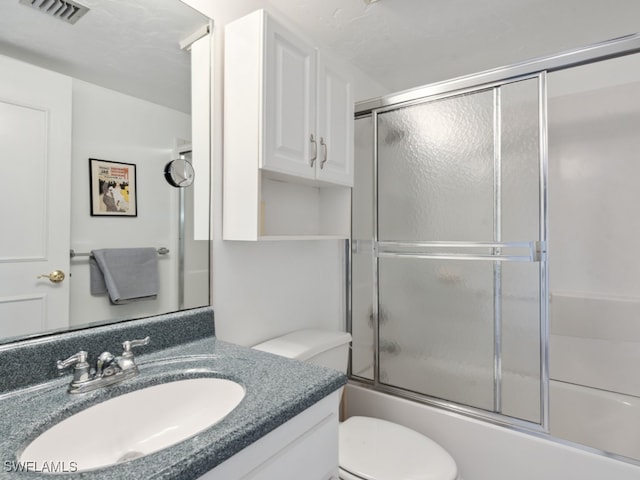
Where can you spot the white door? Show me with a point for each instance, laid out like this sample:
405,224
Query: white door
335,125
290,141
35,153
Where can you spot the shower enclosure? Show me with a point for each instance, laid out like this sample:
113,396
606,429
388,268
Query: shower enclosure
450,257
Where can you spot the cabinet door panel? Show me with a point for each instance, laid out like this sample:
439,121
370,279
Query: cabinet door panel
290,103
335,125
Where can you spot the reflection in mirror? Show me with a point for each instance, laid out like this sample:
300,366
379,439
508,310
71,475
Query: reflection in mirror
114,86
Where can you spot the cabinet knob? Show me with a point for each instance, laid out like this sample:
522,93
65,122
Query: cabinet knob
315,150
324,155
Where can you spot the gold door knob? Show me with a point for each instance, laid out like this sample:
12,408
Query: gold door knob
56,276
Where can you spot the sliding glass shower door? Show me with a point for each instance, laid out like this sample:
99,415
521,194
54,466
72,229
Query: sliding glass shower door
448,263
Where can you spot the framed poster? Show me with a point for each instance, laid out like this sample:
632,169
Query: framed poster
112,187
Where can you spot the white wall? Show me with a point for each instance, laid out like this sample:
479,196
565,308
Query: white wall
594,226
197,277
261,290
112,126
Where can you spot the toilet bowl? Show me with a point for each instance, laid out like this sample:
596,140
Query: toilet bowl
369,448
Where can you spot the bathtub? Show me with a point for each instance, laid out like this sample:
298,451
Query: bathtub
593,417
593,357
484,451
604,420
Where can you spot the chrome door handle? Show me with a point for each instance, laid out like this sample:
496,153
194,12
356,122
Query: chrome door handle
324,155
315,150
56,276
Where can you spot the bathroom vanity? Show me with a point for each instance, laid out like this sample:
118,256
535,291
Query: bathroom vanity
285,426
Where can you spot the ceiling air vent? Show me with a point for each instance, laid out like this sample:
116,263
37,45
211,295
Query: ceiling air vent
65,10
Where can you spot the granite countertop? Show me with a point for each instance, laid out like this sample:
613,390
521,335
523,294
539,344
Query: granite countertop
277,389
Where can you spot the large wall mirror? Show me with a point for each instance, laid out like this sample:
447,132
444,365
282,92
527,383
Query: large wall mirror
111,84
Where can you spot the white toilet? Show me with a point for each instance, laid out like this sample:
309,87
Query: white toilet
370,448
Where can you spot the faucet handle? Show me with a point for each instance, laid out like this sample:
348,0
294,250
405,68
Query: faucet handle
82,369
129,344
79,360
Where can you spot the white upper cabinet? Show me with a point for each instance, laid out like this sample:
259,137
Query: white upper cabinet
290,87
288,136
335,124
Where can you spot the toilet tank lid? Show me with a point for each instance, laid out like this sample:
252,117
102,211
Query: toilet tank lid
304,344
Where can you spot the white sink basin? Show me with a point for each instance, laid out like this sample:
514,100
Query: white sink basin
136,424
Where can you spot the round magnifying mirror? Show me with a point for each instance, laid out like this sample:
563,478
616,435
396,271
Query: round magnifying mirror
179,173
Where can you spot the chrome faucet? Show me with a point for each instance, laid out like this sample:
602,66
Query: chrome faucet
109,368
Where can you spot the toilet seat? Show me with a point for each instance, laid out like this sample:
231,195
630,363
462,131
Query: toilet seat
374,449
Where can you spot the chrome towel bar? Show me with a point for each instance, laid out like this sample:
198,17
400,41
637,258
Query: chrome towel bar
73,253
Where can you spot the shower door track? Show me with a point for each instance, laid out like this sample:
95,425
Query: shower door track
617,47
473,412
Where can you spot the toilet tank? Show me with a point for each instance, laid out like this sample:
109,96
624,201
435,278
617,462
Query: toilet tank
322,347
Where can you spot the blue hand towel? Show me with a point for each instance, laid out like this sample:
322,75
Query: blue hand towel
127,274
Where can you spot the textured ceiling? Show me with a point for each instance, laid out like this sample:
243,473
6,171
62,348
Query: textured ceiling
130,46
407,43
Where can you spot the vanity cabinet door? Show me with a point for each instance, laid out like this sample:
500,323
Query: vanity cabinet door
305,447
289,103
335,124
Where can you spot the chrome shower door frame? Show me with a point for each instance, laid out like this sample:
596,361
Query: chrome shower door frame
429,250
491,79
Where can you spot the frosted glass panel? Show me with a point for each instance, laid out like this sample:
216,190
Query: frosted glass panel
362,256
435,170
362,315
519,292
520,164
520,315
437,333
463,169
362,192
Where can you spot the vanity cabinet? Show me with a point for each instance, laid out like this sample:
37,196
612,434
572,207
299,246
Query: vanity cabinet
288,136
305,447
